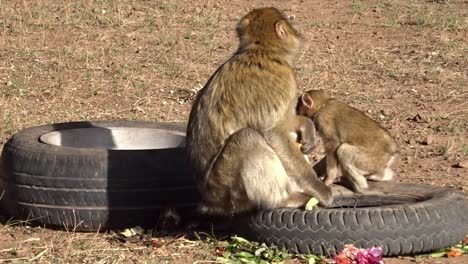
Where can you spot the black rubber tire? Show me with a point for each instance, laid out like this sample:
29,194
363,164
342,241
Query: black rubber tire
434,218
97,189
89,189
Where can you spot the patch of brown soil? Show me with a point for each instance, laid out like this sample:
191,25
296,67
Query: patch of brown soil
403,62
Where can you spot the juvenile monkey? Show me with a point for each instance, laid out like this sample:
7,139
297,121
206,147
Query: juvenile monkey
238,134
356,146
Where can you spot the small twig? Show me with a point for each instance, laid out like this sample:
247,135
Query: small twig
39,255
454,97
109,249
8,249
105,260
15,248
12,259
76,225
460,105
455,112
98,230
30,240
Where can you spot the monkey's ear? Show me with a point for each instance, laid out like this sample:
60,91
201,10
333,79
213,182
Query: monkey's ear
307,100
241,27
281,29
244,22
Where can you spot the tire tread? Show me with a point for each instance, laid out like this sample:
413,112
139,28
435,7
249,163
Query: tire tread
421,227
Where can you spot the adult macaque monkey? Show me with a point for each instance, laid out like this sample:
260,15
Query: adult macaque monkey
238,131
356,146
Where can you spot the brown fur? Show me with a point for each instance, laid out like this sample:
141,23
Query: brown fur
238,132
356,146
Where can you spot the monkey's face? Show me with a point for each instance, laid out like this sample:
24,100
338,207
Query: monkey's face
290,40
293,42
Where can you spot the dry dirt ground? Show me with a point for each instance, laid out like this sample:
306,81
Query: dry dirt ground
404,62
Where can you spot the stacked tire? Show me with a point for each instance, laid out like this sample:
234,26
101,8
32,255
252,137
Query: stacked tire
90,189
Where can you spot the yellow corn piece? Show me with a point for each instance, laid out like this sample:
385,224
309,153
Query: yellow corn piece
311,203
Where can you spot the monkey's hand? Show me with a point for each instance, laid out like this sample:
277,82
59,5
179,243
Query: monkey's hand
307,147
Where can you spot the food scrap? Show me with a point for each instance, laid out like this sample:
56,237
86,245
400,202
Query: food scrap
129,232
353,255
311,204
454,252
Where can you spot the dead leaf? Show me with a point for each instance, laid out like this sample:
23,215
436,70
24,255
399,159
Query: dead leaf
454,253
156,243
219,251
462,164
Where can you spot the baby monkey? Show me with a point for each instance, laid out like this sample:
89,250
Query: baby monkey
356,146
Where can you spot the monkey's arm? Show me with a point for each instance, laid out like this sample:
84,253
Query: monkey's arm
331,140
297,167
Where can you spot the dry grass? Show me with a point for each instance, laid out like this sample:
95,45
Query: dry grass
21,242
145,60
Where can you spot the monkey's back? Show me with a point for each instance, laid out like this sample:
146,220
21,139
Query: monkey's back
356,128
249,90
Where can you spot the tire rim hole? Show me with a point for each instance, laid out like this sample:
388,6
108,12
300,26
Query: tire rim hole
365,201
116,138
